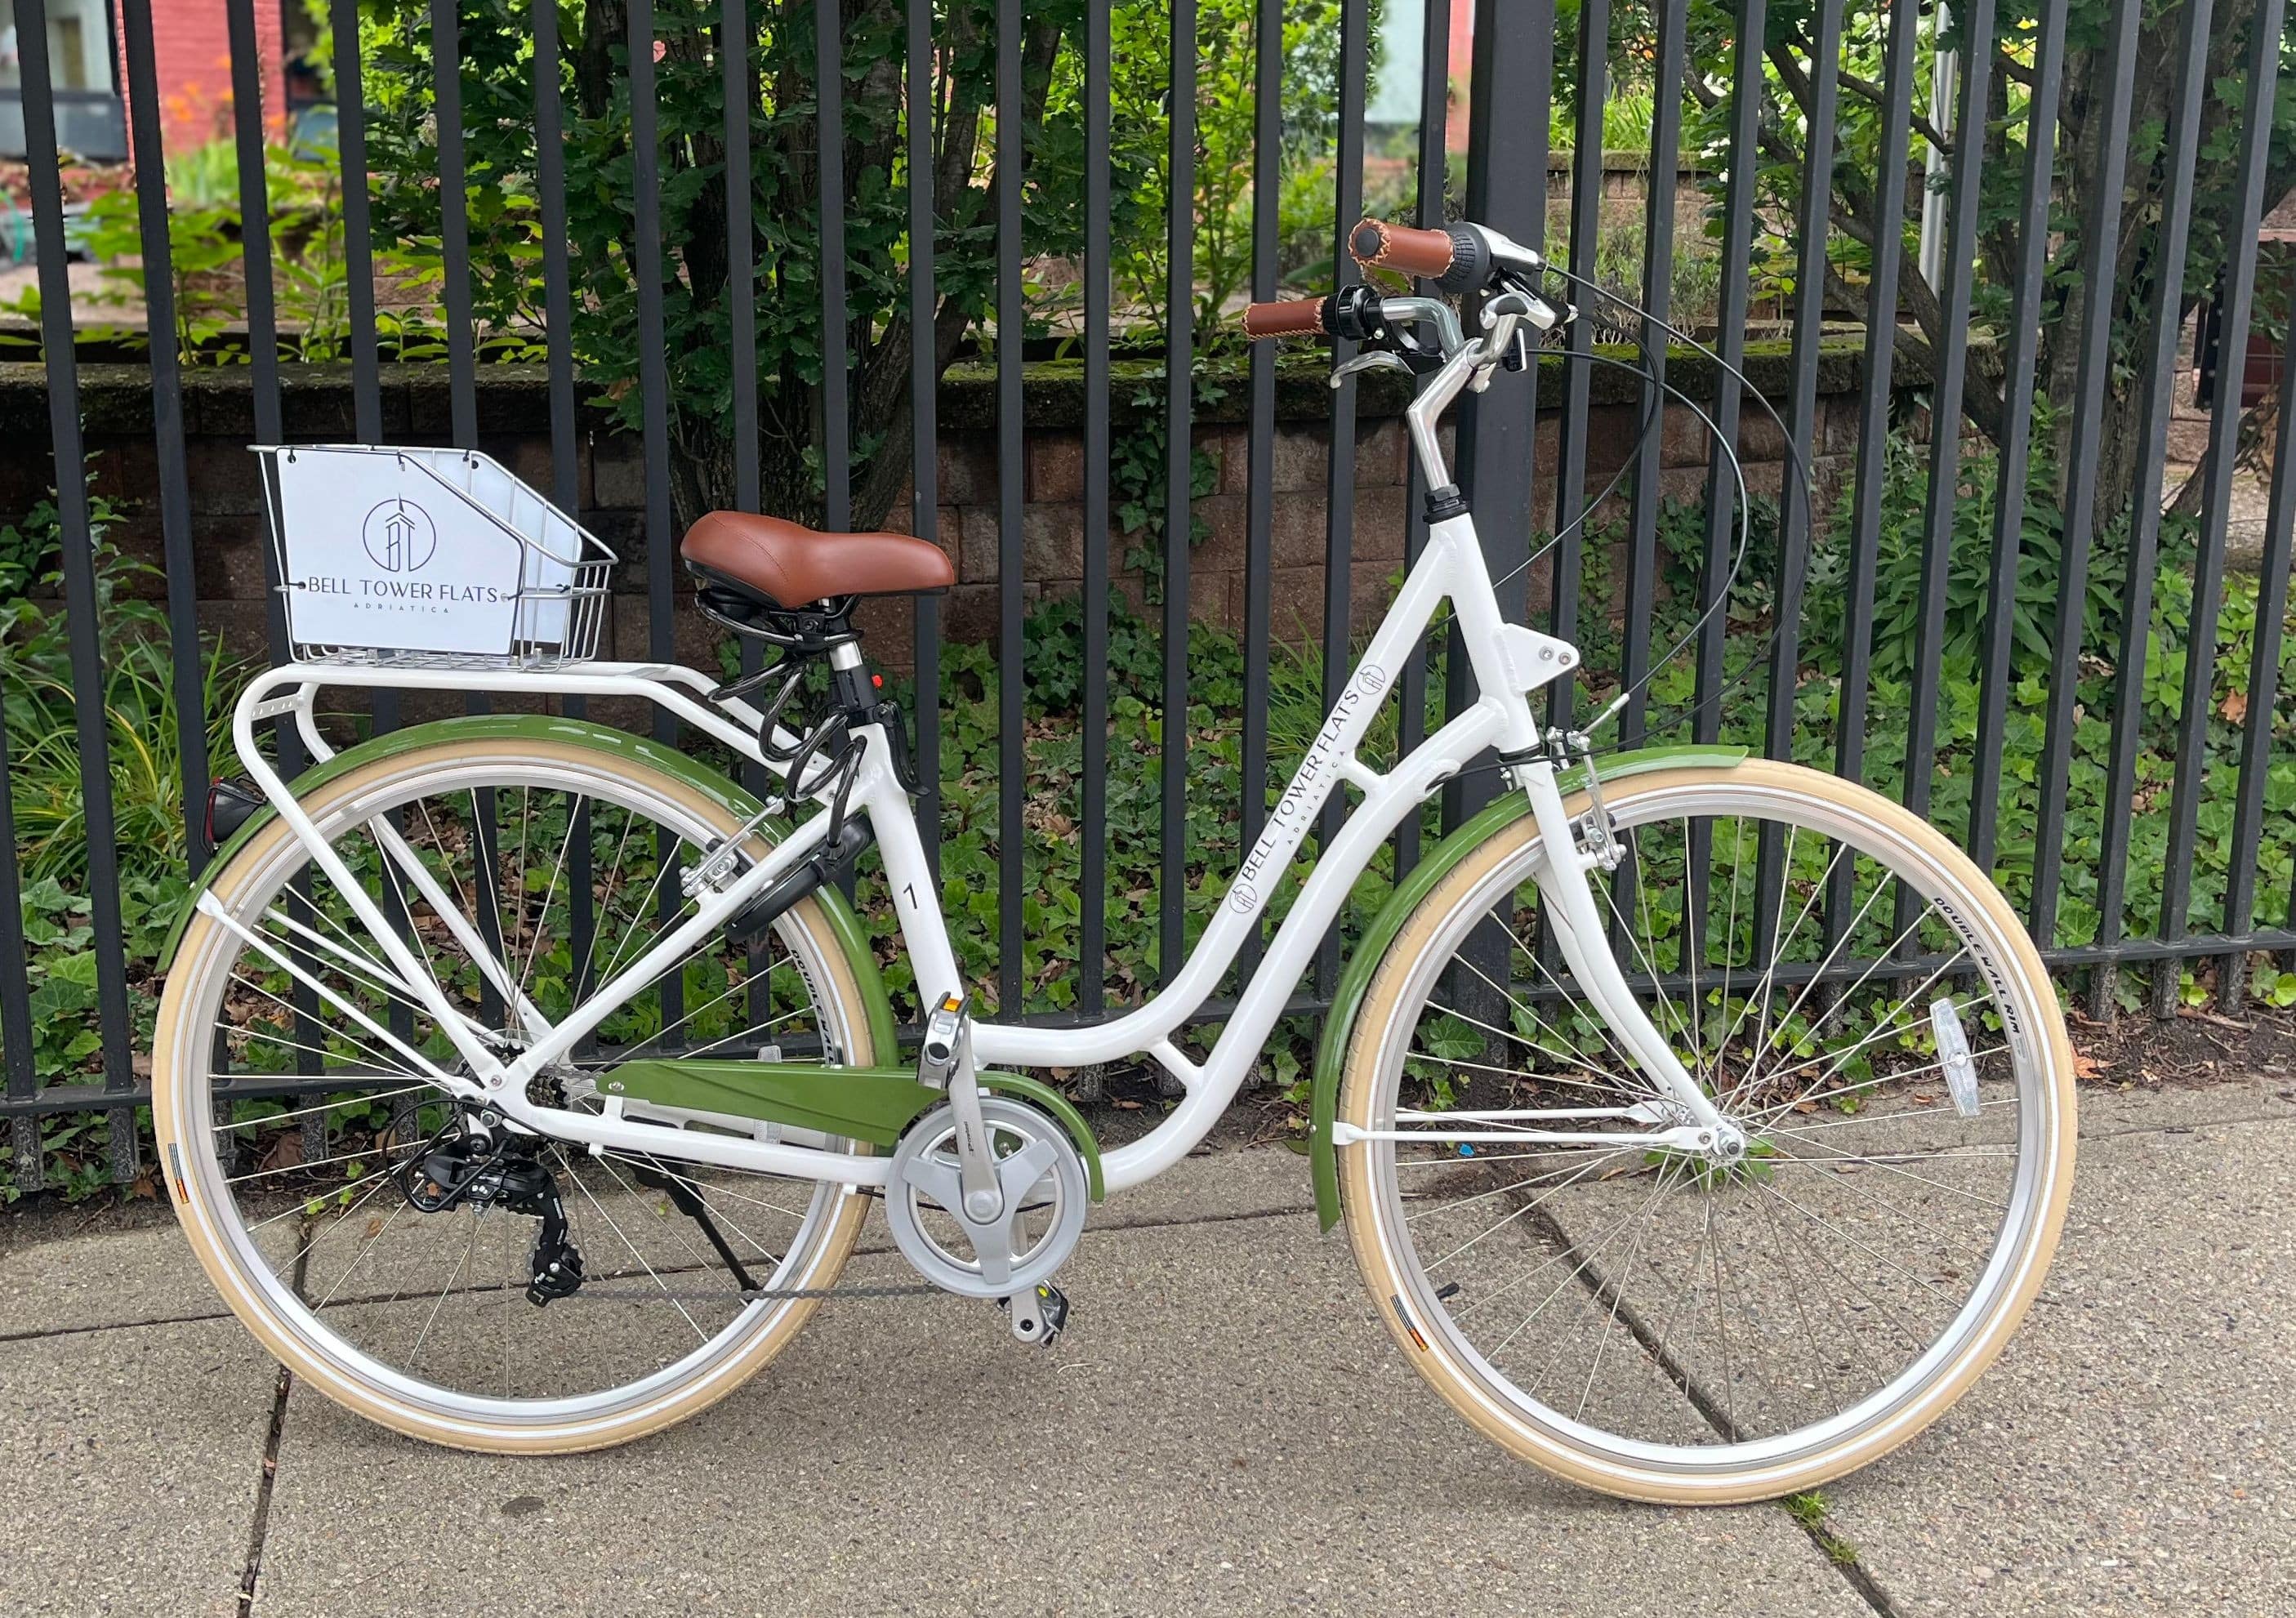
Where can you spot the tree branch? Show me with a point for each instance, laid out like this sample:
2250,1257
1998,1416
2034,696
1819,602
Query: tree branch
1865,89
1978,402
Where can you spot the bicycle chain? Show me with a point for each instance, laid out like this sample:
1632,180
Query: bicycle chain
663,1295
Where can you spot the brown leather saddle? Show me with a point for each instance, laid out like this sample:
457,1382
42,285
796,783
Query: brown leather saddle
792,566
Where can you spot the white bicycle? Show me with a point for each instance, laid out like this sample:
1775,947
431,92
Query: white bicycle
1702,1125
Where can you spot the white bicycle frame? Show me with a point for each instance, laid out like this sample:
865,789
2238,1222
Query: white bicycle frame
1509,661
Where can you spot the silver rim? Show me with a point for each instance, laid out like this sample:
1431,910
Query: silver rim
428,1310
1647,1308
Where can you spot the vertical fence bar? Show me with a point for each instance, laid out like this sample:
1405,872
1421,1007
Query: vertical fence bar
836,410
1959,274
734,84
1513,79
2100,238
653,394
22,1079
1179,453
2185,122
1012,676
16,1034
1723,517
462,388
1657,300
1888,218
2246,213
1575,429
89,711
358,285
270,428
924,417
1514,84
262,308
1726,526
1428,214
454,222
2263,693
734,91
1797,515
185,663
1340,467
1098,289
1578,375
359,234
557,288
2024,335
365,357
565,451
1259,480
653,373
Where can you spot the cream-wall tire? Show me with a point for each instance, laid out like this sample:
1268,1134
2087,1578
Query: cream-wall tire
297,1336
1383,1250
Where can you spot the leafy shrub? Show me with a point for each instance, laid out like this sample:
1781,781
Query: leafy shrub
46,793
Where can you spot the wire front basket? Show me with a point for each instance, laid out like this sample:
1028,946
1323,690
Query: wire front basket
433,558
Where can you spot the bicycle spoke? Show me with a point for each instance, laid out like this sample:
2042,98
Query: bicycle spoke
1765,1289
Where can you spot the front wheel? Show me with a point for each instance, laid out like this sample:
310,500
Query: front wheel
1860,1002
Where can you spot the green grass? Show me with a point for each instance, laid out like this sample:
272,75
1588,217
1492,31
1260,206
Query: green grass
1808,1508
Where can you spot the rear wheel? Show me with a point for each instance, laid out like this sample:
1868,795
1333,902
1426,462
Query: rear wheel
316,1171
1858,1001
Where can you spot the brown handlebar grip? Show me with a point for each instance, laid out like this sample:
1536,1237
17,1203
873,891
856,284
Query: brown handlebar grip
1286,317
1376,244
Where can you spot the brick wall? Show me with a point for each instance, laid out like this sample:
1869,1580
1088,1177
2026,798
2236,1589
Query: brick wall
191,50
228,526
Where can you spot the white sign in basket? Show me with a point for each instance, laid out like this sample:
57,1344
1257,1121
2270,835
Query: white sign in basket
421,550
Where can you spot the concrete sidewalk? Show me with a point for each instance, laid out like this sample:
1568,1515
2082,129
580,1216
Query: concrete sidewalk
1224,1429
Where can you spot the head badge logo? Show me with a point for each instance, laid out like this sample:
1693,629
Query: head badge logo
400,537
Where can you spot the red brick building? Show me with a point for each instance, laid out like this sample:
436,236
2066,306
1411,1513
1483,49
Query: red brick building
192,53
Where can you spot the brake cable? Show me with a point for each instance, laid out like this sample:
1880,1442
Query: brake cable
1744,515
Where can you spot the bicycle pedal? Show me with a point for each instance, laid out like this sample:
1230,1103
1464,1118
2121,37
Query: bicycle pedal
1038,1314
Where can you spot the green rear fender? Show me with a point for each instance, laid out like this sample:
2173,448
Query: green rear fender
613,745
1354,982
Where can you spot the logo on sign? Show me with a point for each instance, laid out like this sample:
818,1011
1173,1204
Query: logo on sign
400,537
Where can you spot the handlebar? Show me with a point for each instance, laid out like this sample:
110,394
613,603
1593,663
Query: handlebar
1375,245
1458,258
1287,318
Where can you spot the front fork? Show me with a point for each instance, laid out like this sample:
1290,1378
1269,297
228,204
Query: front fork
1569,902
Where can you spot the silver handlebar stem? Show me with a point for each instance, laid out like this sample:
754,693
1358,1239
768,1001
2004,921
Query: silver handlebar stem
1424,411
1468,362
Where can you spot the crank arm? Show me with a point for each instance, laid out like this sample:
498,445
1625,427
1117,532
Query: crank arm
946,1063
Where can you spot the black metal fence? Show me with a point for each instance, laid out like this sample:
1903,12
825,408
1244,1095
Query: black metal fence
2032,302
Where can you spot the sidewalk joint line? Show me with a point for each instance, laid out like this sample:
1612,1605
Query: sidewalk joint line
38,1334
2192,1128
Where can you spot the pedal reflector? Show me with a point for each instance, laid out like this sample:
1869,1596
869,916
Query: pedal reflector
1953,1055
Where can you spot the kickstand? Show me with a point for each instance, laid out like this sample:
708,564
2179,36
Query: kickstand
688,1202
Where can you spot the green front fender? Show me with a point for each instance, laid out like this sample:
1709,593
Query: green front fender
616,744
1433,866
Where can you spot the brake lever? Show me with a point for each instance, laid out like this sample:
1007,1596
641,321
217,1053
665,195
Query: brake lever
1377,359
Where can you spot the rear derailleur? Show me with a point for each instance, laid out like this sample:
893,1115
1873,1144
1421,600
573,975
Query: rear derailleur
475,1160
